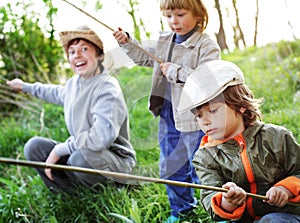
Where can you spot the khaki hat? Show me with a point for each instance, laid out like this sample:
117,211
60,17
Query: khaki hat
83,32
208,81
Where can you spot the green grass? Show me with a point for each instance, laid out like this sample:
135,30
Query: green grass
272,72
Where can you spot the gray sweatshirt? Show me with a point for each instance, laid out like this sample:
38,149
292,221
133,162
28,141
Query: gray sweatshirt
95,114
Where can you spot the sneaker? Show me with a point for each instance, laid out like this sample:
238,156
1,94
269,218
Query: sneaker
172,219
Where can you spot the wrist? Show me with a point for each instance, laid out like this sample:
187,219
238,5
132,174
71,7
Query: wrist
227,206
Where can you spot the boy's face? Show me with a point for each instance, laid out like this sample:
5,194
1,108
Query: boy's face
219,121
83,59
181,21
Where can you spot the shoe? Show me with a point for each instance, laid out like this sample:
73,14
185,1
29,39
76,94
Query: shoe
172,219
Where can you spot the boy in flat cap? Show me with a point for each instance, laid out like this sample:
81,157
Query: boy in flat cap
95,114
240,153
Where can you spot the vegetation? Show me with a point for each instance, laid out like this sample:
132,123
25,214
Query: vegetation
271,71
31,52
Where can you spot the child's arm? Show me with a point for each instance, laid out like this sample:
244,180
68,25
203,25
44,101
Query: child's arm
121,36
291,164
278,196
16,84
291,184
233,198
141,55
230,204
179,69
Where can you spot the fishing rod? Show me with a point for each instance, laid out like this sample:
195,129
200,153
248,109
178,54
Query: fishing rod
157,59
123,176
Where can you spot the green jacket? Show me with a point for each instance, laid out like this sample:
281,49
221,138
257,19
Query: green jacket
262,156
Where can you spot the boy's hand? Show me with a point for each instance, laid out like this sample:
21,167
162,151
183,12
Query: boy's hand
278,196
234,197
52,159
164,68
120,36
16,84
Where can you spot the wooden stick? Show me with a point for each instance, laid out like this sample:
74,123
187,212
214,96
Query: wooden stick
123,176
157,59
89,15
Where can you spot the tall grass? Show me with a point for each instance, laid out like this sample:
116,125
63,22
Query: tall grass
272,72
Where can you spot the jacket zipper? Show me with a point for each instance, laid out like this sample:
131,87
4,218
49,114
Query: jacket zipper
249,173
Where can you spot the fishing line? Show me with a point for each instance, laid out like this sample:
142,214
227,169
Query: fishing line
108,27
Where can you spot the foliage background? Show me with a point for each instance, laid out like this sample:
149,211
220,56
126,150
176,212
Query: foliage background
31,53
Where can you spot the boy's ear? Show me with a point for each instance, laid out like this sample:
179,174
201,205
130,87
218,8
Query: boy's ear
242,110
101,57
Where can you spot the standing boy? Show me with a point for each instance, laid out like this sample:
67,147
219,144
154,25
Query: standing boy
182,50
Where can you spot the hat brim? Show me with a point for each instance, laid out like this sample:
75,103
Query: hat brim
67,36
208,81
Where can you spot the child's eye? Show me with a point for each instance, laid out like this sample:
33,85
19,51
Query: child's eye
71,52
84,49
213,110
197,117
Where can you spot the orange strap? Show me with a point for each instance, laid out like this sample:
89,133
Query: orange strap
249,173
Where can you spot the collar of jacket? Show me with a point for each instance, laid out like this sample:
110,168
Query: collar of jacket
189,43
209,142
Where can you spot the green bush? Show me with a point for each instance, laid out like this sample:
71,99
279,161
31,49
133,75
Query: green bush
272,72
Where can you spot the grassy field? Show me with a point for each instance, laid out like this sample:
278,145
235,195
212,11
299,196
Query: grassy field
272,72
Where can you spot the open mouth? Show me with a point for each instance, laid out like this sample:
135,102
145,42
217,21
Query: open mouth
210,131
80,64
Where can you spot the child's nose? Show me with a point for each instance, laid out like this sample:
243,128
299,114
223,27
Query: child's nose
77,53
206,120
174,19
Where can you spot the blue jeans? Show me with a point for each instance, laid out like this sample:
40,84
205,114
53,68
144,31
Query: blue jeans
177,151
279,217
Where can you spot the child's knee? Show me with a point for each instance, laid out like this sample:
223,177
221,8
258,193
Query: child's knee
30,146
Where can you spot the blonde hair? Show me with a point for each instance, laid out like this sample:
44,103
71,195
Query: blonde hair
195,6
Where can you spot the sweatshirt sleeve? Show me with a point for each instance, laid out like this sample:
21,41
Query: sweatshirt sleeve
136,52
66,148
48,92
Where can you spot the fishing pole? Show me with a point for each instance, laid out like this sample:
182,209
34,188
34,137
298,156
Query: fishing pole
123,176
157,59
